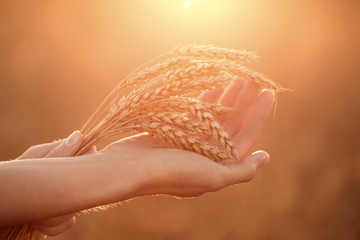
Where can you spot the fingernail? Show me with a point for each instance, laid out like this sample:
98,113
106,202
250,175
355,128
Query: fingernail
262,158
72,139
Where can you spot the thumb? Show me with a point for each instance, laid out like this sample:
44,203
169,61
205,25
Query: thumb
259,158
245,170
68,147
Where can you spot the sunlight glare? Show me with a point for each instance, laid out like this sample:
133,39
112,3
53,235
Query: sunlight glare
186,4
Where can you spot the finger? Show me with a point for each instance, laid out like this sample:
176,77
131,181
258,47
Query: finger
230,95
39,151
241,106
249,132
231,92
211,96
93,149
52,222
68,147
55,230
245,170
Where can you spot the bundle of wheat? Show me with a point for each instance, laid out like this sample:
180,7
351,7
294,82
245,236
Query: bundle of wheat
158,104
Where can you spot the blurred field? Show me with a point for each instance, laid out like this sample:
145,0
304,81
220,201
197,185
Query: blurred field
58,60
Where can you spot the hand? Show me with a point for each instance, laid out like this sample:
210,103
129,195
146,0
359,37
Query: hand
165,170
135,166
62,148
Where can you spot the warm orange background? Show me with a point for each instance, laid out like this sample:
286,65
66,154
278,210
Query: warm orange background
59,59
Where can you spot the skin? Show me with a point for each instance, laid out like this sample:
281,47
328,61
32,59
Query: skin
46,186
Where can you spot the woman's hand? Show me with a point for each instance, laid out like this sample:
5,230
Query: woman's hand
62,148
183,173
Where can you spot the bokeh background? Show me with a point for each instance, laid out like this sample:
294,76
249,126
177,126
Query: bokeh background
59,59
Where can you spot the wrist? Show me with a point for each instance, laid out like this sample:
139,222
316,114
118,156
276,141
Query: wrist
122,176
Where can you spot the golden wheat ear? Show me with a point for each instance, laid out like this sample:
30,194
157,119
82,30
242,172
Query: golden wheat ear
162,84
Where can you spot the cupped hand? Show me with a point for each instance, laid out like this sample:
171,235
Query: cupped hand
183,173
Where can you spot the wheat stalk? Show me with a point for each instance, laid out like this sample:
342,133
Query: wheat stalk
159,106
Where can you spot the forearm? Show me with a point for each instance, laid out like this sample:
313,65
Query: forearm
41,188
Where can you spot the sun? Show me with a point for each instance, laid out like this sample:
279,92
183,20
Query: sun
186,4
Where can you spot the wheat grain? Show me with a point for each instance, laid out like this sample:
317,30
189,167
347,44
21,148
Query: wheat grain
184,140
210,51
183,105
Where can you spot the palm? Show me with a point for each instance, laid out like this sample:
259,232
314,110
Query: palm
183,173
250,109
